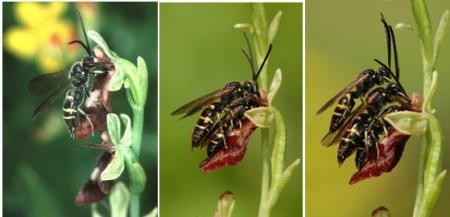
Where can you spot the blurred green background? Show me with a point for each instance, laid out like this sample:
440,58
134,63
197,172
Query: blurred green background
200,52
43,167
343,38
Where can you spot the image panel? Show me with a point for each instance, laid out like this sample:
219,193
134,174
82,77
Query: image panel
211,147
364,109
79,109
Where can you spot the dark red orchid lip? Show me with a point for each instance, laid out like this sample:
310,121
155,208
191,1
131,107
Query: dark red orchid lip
390,151
237,142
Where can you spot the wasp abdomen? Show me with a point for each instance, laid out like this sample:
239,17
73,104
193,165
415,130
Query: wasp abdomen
209,116
74,99
342,110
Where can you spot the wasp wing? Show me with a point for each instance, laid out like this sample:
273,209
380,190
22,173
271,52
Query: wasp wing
332,137
333,100
45,83
196,105
47,103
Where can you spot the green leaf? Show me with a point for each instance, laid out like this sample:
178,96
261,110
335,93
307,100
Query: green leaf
244,27
98,39
261,116
273,27
153,213
114,131
142,75
119,200
226,205
115,168
275,85
127,137
279,147
138,178
381,212
118,77
440,33
407,122
278,187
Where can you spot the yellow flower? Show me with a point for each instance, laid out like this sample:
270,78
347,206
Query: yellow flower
42,35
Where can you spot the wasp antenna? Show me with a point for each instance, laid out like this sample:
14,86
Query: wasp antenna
388,38
80,18
249,55
80,43
263,62
249,61
394,45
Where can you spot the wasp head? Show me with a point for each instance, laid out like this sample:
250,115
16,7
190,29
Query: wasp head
88,63
251,87
395,92
385,74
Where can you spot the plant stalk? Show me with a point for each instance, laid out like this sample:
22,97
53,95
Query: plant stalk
429,177
138,124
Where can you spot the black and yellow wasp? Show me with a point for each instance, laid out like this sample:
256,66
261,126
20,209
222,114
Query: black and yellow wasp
75,84
361,129
223,109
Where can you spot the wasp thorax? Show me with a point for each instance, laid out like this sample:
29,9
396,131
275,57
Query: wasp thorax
78,75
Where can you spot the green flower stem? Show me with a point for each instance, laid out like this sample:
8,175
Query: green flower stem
260,44
430,175
259,40
138,124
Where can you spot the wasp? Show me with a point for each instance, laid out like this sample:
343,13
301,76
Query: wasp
381,93
223,109
365,81
75,85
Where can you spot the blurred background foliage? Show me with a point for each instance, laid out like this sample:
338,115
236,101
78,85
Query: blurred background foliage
343,38
200,52
43,167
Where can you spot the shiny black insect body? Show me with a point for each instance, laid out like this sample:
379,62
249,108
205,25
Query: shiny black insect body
362,133
361,129
362,85
75,85
223,109
231,119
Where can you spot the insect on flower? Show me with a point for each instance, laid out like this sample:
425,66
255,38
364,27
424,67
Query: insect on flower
76,86
363,129
222,127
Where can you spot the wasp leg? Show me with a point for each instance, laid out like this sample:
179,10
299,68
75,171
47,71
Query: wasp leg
87,118
97,72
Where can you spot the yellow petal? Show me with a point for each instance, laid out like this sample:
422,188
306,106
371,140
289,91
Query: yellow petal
35,15
30,13
21,42
56,9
